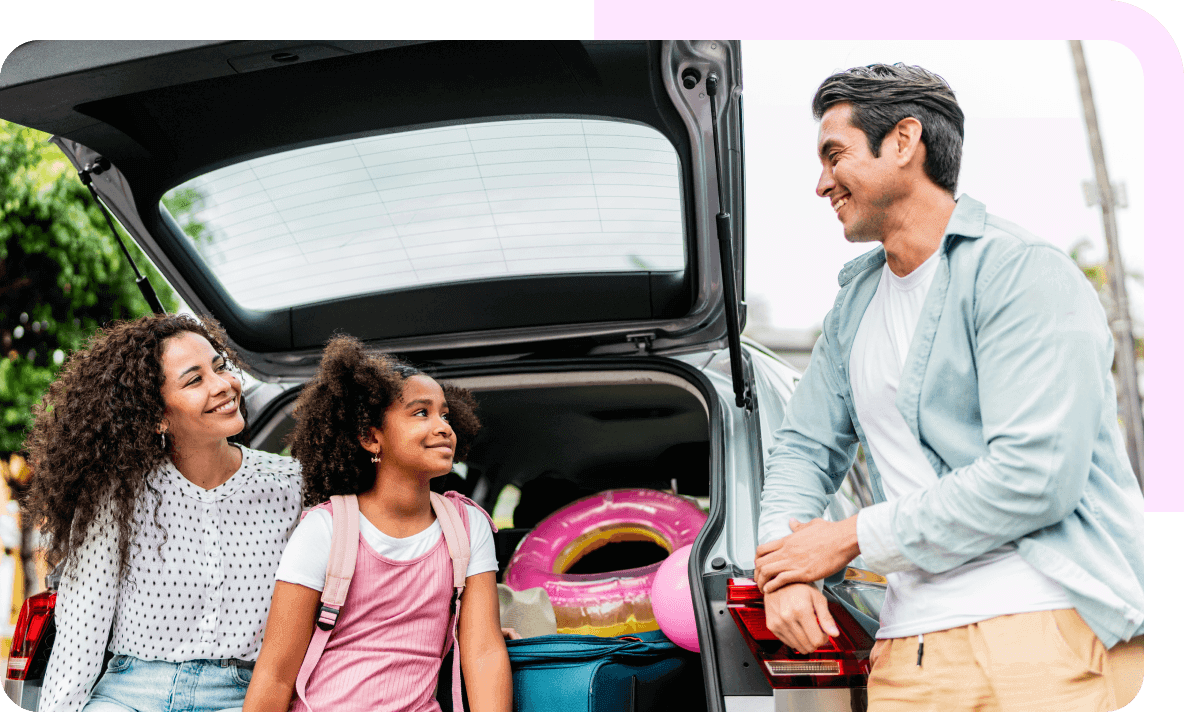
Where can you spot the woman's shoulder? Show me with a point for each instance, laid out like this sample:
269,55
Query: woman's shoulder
272,465
265,475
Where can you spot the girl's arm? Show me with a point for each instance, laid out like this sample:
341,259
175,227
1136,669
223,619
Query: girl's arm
483,659
285,641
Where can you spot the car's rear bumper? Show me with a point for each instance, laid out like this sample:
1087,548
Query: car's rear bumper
836,699
25,694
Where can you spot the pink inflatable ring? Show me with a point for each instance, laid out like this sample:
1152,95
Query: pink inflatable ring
612,603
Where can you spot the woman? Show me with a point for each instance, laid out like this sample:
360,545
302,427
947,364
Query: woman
169,533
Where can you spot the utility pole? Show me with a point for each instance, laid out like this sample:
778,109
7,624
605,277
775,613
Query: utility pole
1131,403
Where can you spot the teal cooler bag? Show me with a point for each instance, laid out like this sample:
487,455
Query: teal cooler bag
585,673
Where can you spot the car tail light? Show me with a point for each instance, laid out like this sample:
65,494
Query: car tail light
841,662
35,619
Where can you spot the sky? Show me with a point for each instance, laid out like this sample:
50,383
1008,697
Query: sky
1025,155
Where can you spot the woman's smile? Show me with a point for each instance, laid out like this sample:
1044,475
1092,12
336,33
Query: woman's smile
229,406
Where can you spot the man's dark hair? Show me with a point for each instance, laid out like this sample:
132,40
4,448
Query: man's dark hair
881,95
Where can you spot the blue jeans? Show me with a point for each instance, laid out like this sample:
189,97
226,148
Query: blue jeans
159,686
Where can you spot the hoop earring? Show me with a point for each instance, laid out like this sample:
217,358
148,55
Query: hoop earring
164,445
377,457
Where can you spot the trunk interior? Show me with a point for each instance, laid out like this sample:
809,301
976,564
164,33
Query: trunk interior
550,439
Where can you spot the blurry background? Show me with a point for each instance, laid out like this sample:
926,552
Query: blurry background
61,276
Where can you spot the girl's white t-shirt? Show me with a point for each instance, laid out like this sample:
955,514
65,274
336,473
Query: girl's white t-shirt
307,555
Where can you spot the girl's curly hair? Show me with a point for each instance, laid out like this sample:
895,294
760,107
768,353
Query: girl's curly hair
94,441
349,394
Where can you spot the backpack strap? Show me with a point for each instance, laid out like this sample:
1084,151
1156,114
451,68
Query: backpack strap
458,499
456,537
343,557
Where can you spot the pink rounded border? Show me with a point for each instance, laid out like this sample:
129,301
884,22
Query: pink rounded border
1003,19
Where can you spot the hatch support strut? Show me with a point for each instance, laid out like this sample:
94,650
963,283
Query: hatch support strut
85,174
723,231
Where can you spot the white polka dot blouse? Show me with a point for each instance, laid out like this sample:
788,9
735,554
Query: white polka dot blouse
200,591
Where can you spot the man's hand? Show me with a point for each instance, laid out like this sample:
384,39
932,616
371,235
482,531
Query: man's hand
814,551
797,614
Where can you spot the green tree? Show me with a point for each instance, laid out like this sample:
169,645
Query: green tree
61,273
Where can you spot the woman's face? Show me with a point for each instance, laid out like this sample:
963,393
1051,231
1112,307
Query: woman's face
201,392
416,436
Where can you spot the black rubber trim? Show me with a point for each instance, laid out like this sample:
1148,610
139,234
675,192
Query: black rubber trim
477,306
707,536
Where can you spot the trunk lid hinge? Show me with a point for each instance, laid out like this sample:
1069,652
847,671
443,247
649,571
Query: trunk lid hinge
741,383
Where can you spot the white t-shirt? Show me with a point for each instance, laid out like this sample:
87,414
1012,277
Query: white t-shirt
307,556
996,583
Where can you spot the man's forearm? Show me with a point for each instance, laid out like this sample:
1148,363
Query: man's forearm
815,550
790,492
813,448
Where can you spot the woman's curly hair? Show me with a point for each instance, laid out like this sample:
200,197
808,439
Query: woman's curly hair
94,440
350,394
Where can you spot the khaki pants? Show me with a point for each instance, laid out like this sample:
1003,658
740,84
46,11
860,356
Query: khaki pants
1046,661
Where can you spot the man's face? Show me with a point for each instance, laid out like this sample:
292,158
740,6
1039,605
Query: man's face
859,186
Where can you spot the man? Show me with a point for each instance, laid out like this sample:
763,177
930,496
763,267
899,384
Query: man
972,362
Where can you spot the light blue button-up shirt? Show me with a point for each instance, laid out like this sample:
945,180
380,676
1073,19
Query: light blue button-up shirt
1007,387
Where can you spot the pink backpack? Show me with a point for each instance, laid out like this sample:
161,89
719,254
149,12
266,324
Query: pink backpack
343,556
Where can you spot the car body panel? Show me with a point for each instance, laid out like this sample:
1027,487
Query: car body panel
24,694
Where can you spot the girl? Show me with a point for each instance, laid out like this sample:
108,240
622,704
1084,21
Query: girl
167,530
381,429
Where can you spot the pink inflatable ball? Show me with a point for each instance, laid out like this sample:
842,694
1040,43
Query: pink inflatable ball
670,598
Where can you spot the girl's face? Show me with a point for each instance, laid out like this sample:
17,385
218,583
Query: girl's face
416,436
201,392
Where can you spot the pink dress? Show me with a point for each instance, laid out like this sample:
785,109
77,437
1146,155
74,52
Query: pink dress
385,651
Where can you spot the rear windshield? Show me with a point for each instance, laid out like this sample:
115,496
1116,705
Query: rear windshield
430,206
